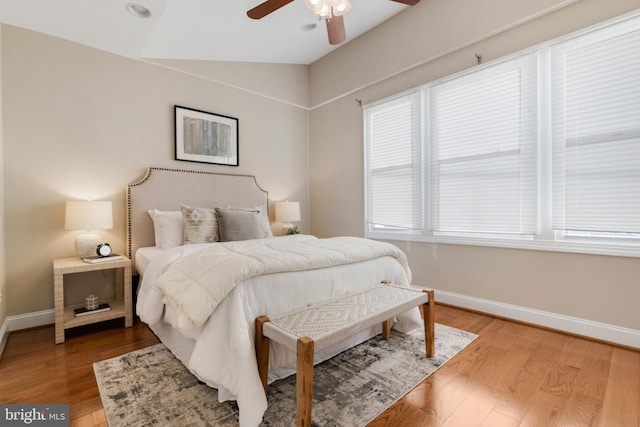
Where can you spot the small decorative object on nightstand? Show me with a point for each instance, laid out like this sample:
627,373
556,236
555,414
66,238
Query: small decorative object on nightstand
70,316
288,212
91,302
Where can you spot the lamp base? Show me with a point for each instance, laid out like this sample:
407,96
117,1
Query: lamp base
86,244
289,229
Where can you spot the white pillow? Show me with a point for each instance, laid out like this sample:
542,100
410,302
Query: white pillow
168,228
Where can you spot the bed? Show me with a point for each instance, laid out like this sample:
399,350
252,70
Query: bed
201,298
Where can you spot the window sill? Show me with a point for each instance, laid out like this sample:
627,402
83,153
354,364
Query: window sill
597,248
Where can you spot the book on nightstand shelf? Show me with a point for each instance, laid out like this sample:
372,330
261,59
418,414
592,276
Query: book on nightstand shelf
98,259
82,311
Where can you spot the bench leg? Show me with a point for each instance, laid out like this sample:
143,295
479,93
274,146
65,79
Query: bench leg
304,381
386,329
262,351
428,314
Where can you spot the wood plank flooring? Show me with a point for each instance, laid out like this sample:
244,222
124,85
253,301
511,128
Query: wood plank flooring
512,375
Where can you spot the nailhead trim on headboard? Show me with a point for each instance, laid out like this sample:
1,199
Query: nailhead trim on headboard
182,180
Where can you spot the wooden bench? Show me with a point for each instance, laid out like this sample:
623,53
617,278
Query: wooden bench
314,328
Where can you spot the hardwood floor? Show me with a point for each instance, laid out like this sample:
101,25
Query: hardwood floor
512,375
33,369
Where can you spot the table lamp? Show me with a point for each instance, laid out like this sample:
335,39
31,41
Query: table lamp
88,216
288,212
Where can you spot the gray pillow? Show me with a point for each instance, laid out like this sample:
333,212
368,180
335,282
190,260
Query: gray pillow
263,218
200,225
238,224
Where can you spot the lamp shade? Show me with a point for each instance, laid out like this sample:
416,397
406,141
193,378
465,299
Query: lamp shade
287,211
88,215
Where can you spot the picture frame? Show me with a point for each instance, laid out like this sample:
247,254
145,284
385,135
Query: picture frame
205,137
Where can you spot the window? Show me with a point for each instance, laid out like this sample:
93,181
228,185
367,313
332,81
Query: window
394,164
595,117
540,150
482,151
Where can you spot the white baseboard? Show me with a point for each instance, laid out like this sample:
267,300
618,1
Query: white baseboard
587,328
24,321
29,320
574,325
4,334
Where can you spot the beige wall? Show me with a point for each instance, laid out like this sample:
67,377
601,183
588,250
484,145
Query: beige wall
79,122
418,34
443,36
3,283
286,83
82,123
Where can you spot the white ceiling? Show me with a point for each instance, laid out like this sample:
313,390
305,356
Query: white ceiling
193,29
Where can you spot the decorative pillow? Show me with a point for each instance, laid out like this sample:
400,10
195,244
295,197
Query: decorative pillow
200,225
237,224
263,219
167,227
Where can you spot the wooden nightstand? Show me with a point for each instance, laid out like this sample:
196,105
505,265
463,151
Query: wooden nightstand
120,306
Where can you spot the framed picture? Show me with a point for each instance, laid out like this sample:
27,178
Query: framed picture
205,137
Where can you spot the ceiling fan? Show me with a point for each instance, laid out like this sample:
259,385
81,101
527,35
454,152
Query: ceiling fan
329,10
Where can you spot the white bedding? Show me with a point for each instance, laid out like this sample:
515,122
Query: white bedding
145,255
222,353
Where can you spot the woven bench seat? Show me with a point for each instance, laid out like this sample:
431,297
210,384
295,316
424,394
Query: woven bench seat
311,329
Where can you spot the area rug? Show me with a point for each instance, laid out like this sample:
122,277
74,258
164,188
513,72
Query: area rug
151,387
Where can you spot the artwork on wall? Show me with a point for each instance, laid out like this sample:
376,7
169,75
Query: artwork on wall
205,137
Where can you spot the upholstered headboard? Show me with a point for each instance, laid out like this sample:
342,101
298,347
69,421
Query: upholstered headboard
167,189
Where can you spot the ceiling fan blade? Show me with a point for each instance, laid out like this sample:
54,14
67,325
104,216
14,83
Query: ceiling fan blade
408,2
335,30
269,6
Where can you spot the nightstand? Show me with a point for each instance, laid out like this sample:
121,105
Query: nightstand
120,305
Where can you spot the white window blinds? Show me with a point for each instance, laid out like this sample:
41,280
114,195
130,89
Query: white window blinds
482,136
595,114
537,150
393,164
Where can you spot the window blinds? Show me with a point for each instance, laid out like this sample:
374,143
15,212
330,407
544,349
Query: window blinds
595,113
546,140
393,164
482,135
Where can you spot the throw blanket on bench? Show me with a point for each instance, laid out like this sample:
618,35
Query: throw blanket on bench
195,285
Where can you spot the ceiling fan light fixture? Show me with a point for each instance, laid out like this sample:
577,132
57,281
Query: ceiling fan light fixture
313,4
327,9
342,7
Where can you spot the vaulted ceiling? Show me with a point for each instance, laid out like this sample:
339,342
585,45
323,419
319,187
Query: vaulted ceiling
216,30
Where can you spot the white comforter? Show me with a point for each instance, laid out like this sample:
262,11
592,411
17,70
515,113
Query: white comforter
215,291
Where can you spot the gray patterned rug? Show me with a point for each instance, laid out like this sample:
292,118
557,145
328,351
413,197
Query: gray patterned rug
151,387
